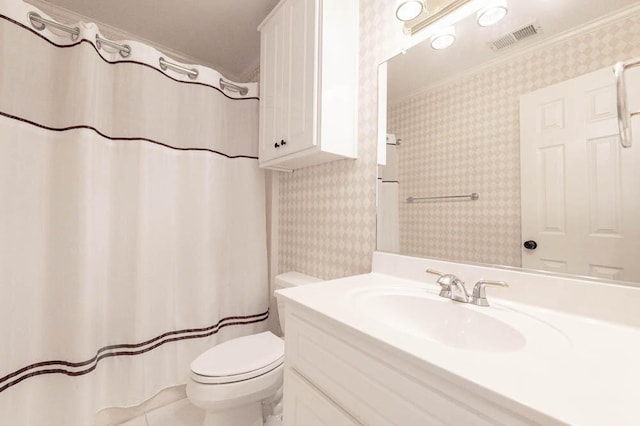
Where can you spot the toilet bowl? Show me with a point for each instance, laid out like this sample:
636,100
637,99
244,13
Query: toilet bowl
231,380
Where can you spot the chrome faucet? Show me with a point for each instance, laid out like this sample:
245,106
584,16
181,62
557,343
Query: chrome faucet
459,291
453,288
445,281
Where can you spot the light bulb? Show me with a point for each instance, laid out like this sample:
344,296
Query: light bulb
492,13
409,9
444,38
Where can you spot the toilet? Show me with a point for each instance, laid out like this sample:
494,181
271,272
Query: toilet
231,380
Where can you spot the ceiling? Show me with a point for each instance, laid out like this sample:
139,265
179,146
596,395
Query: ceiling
221,34
422,67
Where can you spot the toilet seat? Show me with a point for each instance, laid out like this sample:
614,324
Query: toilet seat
218,380
239,359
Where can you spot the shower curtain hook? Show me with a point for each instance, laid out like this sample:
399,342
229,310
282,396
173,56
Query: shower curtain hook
39,23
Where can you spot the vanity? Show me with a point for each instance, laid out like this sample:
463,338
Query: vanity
384,348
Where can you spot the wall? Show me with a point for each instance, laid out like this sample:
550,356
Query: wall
468,140
327,216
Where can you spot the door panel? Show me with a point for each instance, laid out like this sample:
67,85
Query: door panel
301,79
271,68
580,189
551,188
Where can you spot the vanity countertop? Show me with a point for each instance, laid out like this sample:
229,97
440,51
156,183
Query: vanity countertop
574,369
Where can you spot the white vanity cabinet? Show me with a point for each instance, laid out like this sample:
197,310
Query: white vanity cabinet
336,376
308,83
384,349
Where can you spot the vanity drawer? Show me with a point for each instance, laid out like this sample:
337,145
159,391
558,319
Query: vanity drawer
375,391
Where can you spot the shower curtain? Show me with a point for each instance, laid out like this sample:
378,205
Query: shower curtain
132,221
388,224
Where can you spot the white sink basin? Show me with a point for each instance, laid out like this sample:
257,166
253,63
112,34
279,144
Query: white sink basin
458,325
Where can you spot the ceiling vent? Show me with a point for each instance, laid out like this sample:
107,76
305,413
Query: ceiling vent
515,36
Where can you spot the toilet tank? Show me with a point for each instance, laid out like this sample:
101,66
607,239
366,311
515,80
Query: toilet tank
287,280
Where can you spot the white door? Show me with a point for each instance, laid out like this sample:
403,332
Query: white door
580,188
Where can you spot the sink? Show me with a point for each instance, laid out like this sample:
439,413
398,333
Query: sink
418,313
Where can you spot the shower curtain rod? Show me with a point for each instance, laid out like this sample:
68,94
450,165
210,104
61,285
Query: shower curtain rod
243,90
34,17
192,73
40,23
123,49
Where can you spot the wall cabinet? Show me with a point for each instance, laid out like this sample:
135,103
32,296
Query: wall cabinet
308,83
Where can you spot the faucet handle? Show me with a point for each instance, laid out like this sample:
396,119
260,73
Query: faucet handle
479,296
434,272
444,280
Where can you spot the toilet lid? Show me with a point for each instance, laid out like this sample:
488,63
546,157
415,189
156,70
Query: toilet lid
239,359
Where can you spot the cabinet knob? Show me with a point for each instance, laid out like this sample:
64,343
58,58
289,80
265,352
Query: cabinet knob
530,245
276,145
283,142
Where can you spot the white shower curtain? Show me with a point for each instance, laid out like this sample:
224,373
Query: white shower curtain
132,225
388,224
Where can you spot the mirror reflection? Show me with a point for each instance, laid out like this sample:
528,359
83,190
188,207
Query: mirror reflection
504,148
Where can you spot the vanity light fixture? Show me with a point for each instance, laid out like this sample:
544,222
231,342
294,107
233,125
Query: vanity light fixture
407,10
492,13
444,38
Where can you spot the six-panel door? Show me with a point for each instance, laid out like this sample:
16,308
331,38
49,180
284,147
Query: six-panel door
580,188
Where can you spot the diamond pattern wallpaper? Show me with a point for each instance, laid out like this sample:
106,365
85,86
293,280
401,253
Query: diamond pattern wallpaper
464,136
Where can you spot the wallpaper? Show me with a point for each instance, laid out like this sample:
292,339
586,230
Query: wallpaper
467,139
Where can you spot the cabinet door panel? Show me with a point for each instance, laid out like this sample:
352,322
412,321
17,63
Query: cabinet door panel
271,82
302,38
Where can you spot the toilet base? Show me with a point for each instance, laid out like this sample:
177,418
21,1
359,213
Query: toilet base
244,415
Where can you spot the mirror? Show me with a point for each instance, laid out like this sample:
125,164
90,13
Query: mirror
523,114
